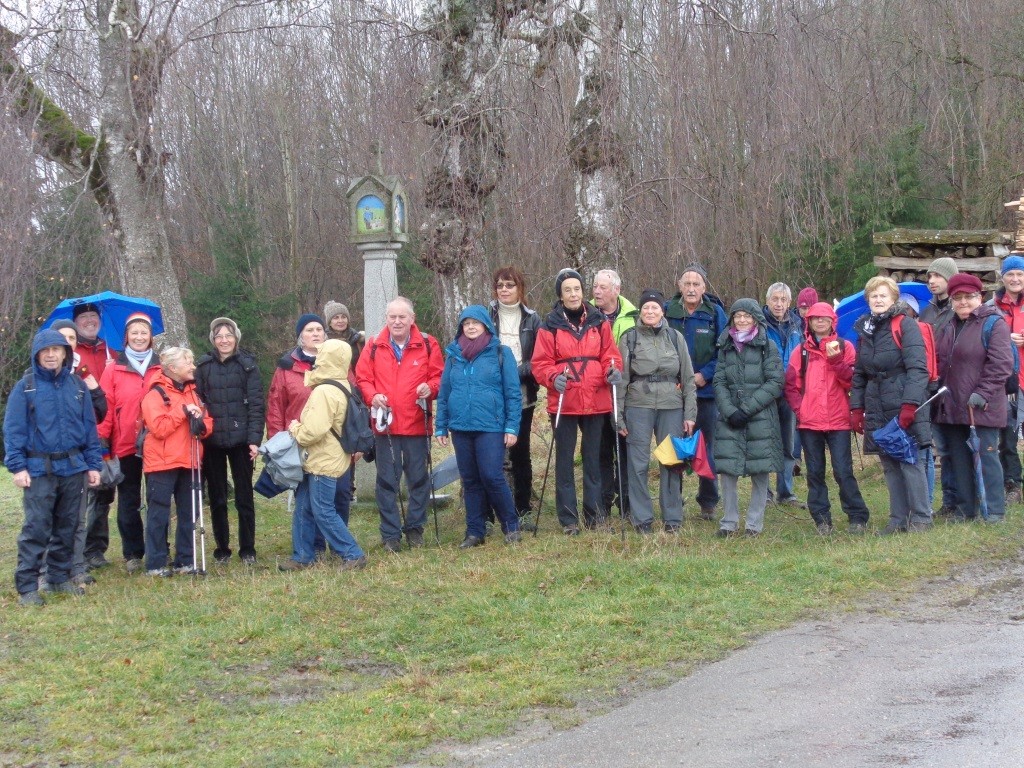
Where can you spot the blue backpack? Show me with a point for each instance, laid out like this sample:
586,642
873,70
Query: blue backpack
986,334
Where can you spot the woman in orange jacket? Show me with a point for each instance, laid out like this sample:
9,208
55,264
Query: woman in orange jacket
176,419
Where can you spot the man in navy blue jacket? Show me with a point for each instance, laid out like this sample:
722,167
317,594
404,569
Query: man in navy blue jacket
52,450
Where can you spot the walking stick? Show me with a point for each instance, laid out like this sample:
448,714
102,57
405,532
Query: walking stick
384,424
198,526
547,467
422,403
615,458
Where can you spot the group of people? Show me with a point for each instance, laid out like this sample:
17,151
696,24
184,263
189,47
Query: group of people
762,384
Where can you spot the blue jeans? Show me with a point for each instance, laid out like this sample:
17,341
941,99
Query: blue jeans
314,508
161,487
481,459
838,443
947,477
784,479
342,503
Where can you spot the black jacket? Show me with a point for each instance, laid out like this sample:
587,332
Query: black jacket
233,394
529,324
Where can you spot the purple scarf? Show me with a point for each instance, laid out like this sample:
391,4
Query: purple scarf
740,338
473,347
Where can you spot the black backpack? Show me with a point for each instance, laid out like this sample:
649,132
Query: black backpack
356,433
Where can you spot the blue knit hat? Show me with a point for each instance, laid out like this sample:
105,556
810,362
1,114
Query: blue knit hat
1013,261
305,320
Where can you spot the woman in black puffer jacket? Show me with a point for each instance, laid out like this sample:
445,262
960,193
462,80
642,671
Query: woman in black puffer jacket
228,381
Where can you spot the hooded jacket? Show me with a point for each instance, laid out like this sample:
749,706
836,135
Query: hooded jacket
380,372
625,318
818,386
749,379
584,355
325,408
51,429
288,392
233,394
168,443
701,329
125,388
482,394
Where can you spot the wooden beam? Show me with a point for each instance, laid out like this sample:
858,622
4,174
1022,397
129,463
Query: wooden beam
980,264
943,237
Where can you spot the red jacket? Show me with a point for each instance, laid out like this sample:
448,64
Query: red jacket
94,357
584,356
124,388
288,393
380,373
821,398
1014,315
169,443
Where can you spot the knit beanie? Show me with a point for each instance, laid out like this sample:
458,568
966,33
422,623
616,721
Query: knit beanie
219,321
1013,261
808,297
562,276
695,267
334,308
651,294
963,282
944,266
137,317
80,308
60,324
305,320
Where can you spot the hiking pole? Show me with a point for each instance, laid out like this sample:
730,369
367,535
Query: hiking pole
547,467
385,416
422,403
198,526
615,458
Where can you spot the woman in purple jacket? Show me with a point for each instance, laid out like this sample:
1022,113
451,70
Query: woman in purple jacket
975,360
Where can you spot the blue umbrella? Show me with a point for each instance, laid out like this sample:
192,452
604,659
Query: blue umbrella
855,305
114,310
894,440
974,443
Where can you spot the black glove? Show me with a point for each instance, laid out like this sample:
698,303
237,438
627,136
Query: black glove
561,382
738,419
614,376
195,423
977,401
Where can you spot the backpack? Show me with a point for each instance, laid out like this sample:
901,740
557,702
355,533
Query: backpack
630,335
986,334
140,439
356,433
803,362
929,345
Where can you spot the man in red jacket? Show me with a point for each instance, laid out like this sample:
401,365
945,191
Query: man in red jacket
1009,300
398,374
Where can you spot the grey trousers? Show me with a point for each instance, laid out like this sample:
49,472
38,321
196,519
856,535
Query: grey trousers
398,455
642,423
731,502
908,492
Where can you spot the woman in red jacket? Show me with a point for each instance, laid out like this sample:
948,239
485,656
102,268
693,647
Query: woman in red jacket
176,419
125,381
288,391
576,359
818,381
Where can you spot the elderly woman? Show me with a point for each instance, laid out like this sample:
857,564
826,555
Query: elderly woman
228,380
176,420
479,402
660,400
288,391
517,327
125,381
975,361
890,381
748,381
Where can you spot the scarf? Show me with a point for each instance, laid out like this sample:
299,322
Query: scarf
473,347
740,338
138,360
576,318
874,320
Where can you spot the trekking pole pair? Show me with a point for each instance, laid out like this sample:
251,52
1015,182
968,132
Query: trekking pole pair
198,524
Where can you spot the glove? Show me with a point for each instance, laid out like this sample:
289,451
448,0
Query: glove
857,420
738,419
614,376
907,413
977,401
196,426
561,382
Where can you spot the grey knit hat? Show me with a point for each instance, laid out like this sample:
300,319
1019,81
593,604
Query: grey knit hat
944,266
219,321
564,275
695,267
333,308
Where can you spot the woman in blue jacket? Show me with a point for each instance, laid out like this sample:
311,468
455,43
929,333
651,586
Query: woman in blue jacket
480,403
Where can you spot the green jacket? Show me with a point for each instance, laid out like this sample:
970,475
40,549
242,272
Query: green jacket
626,318
751,380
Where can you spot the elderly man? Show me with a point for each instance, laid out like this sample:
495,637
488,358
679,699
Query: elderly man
700,317
622,315
786,330
1009,300
398,374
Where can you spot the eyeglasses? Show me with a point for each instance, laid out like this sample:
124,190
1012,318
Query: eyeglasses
961,297
505,286
222,337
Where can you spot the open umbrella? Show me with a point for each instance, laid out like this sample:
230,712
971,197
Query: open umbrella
894,440
114,310
855,305
974,443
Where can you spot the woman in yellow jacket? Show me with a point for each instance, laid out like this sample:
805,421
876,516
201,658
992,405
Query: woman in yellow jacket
324,461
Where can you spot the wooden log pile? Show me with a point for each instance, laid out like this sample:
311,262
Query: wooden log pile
905,254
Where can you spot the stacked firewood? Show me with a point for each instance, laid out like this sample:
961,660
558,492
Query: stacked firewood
906,253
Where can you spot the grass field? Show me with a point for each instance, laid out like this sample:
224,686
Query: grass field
420,650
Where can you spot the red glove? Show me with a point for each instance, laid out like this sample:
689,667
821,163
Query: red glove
907,413
857,420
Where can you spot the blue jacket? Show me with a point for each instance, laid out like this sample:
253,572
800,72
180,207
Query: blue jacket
788,333
481,395
57,435
701,329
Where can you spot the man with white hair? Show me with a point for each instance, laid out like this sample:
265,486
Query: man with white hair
786,329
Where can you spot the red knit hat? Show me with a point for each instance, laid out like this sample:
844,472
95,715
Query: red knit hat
963,282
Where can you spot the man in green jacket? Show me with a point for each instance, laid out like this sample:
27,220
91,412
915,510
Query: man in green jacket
621,313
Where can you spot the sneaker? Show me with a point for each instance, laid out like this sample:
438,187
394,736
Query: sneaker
222,559
858,529
724,533
793,501
707,513
293,565
415,538
96,562
160,573
82,579
513,537
824,529
31,598
471,541
355,564
133,564
248,559
392,545
571,530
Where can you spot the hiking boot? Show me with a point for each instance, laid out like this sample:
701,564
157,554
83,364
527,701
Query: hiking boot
858,529
672,527
793,501
293,565
471,541
644,529
526,521
994,519
724,533
707,513
160,573
824,529
31,598
571,530
185,570
67,588
133,564
892,529
415,538
82,579
919,527
222,559
248,559
750,533
1013,495
946,510
355,564
513,537
392,545
96,562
